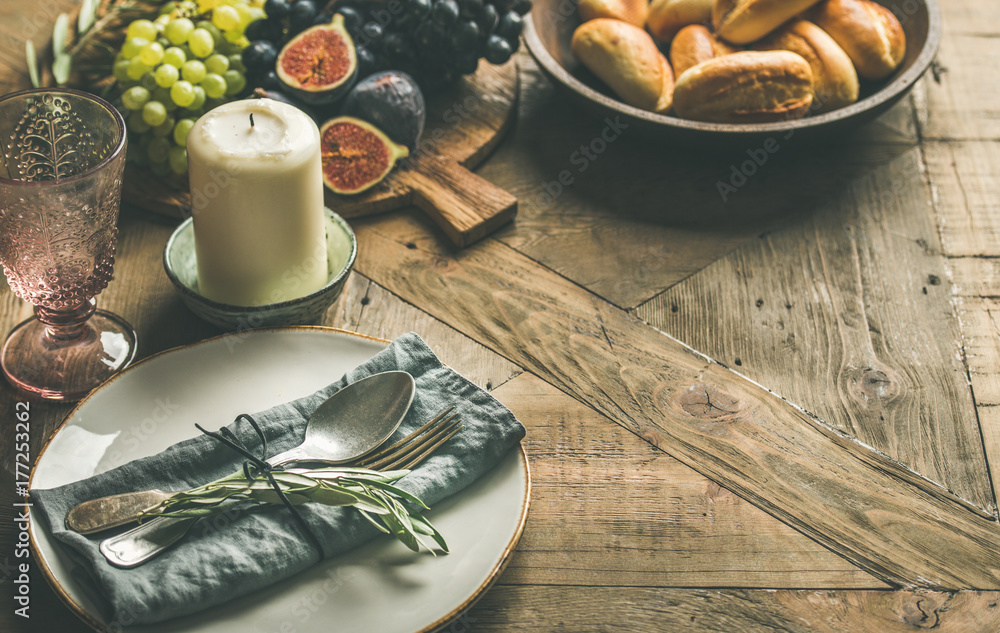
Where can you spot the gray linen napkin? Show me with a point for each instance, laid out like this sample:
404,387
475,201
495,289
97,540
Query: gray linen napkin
220,560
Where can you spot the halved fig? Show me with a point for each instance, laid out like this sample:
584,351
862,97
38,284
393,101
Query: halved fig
320,64
356,154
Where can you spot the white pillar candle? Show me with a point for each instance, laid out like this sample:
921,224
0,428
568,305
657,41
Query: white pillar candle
257,201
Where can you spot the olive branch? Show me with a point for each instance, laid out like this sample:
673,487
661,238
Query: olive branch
389,508
100,27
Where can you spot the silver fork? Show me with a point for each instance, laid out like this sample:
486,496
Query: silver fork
139,544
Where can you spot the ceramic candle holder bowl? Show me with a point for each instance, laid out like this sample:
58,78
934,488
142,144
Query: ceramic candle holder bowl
180,262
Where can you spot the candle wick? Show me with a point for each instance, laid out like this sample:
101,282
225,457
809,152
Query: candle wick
251,119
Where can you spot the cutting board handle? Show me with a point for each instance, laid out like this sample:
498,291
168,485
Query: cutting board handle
466,207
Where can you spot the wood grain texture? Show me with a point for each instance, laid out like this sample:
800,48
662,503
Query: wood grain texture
961,96
877,514
967,183
639,610
608,509
367,307
646,214
465,206
847,312
967,187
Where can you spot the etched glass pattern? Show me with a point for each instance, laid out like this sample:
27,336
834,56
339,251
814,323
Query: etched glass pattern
63,154
57,241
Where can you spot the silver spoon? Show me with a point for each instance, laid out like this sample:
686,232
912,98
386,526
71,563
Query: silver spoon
348,425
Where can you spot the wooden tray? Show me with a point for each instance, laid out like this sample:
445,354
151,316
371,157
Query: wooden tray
465,122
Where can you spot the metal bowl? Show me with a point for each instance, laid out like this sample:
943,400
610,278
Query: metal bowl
550,25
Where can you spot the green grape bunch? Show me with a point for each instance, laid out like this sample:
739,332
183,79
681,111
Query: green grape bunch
172,69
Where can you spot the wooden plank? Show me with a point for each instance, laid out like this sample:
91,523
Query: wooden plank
848,313
590,476
962,96
645,213
640,610
967,187
967,183
608,509
879,515
366,307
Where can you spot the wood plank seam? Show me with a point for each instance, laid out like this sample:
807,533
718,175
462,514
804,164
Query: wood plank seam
529,305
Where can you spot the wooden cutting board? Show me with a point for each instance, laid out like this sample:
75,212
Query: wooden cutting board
465,122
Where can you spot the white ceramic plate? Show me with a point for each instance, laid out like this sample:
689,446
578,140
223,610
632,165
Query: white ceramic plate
379,588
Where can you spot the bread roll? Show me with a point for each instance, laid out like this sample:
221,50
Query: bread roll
835,82
746,21
631,11
868,32
625,58
746,87
695,44
667,17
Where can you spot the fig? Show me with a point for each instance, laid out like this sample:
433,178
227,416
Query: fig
319,65
393,102
356,154
277,95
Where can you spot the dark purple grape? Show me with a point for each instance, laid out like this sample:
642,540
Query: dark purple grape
366,62
302,15
270,81
352,17
470,8
373,30
467,64
322,18
498,50
398,46
510,26
259,57
503,6
428,35
522,6
445,12
417,8
515,44
488,19
276,9
467,36
264,30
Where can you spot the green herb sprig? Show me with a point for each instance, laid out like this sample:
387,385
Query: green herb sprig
372,493
89,47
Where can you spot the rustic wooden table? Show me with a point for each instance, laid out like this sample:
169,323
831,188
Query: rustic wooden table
831,469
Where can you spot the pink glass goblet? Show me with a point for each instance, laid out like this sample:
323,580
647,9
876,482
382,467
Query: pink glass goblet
60,189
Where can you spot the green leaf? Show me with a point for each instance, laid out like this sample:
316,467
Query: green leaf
373,521
88,12
402,494
32,59
423,526
191,512
353,473
332,496
399,530
293,480
59,34
270,496
61,68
